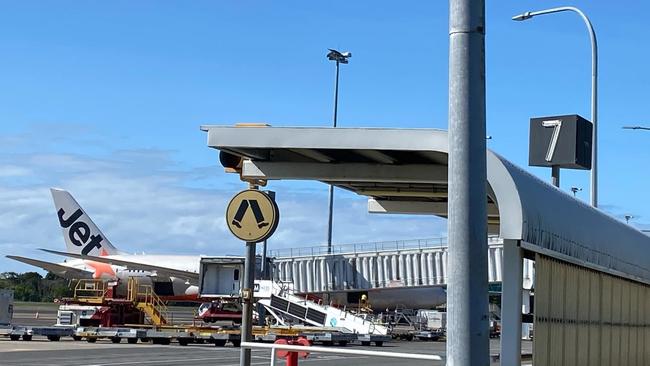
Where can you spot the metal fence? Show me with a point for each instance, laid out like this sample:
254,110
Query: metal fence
356,352
360,247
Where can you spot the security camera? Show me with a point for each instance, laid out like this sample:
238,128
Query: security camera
346,54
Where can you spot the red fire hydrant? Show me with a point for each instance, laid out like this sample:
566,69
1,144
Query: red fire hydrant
292,356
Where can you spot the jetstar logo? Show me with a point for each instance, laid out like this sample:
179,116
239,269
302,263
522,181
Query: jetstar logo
79,232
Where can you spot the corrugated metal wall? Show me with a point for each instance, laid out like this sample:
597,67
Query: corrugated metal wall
412,267
585,317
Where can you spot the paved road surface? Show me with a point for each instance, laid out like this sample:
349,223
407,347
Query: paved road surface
103,353
67,352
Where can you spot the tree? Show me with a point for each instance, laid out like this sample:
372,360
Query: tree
31,286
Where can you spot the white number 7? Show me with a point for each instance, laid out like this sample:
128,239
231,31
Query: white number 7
557,125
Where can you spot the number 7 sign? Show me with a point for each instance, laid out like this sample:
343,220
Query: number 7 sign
561,141
556,124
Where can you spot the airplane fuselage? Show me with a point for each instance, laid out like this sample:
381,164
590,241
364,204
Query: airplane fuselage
168,287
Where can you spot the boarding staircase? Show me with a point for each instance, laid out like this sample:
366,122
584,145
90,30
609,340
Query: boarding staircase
283,305
146,300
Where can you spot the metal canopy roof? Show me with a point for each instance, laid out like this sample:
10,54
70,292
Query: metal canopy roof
405,171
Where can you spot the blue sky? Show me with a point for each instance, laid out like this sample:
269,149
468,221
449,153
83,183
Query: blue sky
106,98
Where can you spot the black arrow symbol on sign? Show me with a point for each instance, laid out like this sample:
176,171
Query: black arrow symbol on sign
241,211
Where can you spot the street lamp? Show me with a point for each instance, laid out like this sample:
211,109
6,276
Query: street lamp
339,58
594,88
575,190
636,128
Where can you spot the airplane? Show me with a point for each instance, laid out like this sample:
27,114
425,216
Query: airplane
173,277
93,256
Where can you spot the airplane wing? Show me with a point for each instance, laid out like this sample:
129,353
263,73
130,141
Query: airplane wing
57,269
187,275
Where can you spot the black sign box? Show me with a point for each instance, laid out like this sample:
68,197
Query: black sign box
563,141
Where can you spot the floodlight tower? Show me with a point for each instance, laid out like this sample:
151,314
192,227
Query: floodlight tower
339,58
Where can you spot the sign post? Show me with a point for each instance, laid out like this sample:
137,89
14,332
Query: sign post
251,216
560,142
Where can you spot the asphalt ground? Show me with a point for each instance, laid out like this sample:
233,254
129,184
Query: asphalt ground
104,353
67,352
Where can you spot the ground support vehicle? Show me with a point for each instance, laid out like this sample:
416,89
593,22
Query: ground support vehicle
377,339
16,332
91,334
53,333
331,338
430,335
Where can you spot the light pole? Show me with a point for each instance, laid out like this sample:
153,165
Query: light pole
339,58
594,88
575,190
468,341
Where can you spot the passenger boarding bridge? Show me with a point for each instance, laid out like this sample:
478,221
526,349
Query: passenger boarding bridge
377,265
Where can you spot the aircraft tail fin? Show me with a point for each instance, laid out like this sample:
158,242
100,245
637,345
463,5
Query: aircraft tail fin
81,234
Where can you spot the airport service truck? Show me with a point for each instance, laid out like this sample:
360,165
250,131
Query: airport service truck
15,332
6,307
6,317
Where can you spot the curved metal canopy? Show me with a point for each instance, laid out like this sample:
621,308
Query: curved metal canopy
405,171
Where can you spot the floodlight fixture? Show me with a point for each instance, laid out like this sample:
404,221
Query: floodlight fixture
575,190
339,57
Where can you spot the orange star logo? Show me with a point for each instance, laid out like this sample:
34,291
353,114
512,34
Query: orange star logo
102,270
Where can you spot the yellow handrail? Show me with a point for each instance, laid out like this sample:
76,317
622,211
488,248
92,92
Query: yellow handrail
145,294
90,288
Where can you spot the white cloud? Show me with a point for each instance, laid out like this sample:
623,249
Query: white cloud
13,171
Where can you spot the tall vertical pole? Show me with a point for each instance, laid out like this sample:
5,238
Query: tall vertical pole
265,269
594,111
467,293
336,94
247,298
331,190
263,265
555,175
511,296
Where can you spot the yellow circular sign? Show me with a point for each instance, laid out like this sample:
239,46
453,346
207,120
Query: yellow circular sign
252,216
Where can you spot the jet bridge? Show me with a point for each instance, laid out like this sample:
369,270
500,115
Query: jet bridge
405,171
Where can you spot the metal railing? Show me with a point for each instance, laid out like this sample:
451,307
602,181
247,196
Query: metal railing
367,247
360,247
87,288
144,294
355,352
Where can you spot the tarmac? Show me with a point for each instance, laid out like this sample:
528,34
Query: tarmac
104,353
67,352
